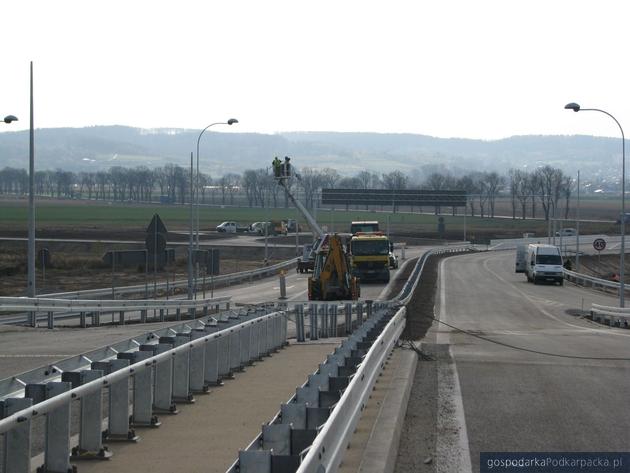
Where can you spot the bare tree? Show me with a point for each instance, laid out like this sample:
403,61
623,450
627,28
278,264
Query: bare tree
567,187
550,184
469,184
532,185
493,184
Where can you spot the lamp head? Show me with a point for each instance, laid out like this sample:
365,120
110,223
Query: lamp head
572,106
10,118
232,121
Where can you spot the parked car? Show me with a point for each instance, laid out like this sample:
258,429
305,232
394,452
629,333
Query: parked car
274,228
258,228
393,261
567,232
227,227
292,226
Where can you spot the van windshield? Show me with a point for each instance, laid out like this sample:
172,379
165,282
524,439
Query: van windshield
548,259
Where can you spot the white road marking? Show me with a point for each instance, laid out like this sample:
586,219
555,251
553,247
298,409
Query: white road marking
534,302
452,448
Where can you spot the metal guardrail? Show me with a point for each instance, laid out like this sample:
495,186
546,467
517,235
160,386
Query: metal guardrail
328,394
95,309
312,430
170,366
613,316
585,241
14,385
591,281
224,279
326,452
115,305
163,371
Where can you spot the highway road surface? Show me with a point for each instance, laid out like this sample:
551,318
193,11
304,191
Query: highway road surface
22,349
566,393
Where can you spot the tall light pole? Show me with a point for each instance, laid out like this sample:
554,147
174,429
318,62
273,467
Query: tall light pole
31,205
231,121
577,228
576,108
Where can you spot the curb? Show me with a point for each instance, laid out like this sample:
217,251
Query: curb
382,447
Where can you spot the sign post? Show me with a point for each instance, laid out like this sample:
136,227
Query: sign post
600,245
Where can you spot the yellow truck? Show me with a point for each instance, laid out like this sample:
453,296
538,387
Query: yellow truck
369,258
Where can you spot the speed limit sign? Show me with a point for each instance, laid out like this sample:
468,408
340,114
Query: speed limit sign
599,244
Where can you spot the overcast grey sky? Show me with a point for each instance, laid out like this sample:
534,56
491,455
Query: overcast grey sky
447,68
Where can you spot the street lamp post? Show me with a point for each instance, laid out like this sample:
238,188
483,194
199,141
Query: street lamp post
576,108
194,201
231,121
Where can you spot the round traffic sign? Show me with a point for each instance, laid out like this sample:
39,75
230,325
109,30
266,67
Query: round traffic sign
599,244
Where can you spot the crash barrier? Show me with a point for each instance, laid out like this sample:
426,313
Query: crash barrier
329,319
33,310
14,386
405,294
162,368
593,282
613,316
586,241
169,287
142,380
312,430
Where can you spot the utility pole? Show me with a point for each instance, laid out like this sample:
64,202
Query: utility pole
577,229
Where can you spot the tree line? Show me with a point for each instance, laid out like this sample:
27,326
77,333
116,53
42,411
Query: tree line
545,188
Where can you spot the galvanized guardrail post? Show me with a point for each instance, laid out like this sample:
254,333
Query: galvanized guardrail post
323,318
16,442
348,314
91,417
235,350
333,320
181,370
299,323
57,440
142,391
312,313
197,383
211,361
163,390
118,405
359,314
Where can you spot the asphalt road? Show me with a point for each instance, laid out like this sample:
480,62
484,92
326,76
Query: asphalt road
495,398
23,349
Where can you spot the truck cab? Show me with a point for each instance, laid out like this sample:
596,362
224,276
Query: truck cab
370,256
365,226
544,263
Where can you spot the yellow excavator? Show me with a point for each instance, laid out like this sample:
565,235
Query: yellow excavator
332,276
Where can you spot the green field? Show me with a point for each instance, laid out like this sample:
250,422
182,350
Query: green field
90,214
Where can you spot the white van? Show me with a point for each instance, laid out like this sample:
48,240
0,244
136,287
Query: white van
521,258
544,263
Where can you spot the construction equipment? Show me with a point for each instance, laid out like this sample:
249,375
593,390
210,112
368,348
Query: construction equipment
370,254
332,278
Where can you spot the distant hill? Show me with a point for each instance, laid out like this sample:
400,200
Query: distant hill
100,147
